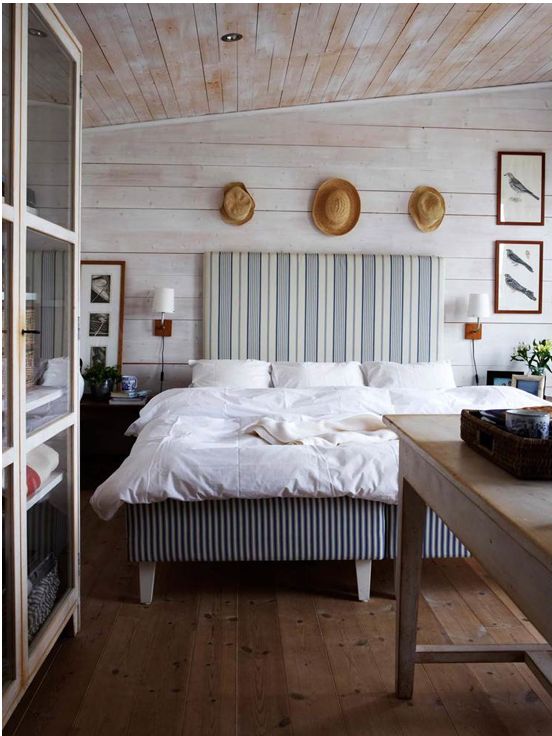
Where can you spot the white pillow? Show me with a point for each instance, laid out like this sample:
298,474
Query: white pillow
409,375
56,373
230,373
307,375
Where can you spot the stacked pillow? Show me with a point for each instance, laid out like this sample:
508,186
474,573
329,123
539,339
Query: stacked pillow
230,373
312,375
436,375
377,374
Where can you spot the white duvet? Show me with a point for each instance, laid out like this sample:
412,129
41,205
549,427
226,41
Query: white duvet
192,445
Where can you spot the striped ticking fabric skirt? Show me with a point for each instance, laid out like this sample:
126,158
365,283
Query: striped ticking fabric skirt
439,541
276,529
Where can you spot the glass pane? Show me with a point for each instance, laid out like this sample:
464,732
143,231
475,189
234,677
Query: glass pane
49,324
6,336
7,71
8,599
50,130
49,504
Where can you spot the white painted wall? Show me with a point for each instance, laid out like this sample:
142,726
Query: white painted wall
152,193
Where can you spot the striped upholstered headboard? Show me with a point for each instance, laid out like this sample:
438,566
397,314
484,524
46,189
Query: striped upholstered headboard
322,307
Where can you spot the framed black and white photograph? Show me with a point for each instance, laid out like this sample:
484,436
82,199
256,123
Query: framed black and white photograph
98,355
532,384
99,324
501,378
520,188
102,312
100,288
518,276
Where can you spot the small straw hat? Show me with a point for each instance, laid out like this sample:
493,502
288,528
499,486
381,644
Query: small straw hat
427,208
336,207
238,205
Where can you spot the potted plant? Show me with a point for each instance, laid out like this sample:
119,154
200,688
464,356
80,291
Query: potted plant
537,356
101,379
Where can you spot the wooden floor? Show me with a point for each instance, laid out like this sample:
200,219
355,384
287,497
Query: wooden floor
276,649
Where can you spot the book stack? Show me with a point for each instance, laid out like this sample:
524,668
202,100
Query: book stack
129,398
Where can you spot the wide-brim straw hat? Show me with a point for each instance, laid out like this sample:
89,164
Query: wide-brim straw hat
427,208
336,207
238,206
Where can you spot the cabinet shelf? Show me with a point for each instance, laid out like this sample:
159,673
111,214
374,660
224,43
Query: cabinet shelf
49,484
38,396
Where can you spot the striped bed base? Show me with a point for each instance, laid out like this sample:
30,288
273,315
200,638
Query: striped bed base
274,529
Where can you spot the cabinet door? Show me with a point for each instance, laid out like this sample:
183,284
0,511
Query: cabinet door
41,64
51,105
48,350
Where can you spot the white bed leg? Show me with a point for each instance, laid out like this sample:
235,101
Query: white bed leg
147,581
364,576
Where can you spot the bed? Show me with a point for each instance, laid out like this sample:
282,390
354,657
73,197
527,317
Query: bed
301,307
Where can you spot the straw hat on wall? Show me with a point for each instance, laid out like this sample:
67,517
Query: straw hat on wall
427,208
336,207
238,205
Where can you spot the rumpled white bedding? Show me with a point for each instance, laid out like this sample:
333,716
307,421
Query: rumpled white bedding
191,444
365,428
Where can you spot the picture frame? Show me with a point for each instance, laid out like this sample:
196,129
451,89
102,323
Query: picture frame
501,378
520,188
518,276
532,384
102,312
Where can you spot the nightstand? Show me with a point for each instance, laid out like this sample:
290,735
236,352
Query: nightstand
103,444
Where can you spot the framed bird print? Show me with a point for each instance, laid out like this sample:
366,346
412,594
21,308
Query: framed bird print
518,276
520,188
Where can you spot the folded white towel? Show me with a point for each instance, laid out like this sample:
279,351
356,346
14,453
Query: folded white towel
363,428
44,460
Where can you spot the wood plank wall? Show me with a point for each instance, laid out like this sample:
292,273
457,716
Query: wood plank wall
152,192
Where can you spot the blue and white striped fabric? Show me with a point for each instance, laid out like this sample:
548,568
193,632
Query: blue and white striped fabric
322,307
266,529
439,541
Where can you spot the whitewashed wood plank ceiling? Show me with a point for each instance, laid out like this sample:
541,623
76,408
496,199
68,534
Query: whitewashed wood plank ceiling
157,61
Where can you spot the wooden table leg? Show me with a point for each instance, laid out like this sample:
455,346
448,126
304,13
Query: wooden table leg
412,513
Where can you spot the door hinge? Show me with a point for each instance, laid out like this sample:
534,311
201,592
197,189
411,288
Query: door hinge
80,88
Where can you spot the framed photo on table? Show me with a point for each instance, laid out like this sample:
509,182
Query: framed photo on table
102,312
520,188
501,378
518,276
532,384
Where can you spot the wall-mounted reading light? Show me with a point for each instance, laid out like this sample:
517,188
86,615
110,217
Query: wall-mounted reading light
231,37
163,301
37,32
479,305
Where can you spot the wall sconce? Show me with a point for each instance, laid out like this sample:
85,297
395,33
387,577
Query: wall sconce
163,301
479,306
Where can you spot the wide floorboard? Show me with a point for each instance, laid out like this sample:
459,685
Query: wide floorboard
251,649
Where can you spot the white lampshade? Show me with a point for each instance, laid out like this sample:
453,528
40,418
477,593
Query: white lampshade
163,300
479,305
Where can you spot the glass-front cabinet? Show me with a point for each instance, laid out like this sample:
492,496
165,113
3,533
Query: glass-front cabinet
41,124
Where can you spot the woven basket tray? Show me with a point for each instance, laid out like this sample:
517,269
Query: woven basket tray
523,457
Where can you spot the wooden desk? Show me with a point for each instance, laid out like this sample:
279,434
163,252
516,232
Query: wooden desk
506,523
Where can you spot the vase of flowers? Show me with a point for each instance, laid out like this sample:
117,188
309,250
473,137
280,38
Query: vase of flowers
537,356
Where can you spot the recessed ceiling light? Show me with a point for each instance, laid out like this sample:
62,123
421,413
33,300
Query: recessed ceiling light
229,37
37,32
